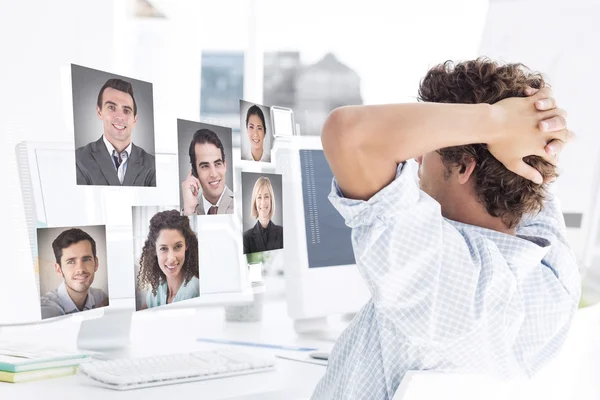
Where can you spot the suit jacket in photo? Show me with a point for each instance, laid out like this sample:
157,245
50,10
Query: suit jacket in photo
225,205
95,166
253,240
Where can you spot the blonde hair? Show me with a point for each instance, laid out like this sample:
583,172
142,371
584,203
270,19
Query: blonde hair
260,182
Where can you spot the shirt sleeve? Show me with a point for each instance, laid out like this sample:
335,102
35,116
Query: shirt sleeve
451,290
549,224
50,305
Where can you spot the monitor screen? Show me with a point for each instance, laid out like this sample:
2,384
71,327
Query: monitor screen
328,240
52,199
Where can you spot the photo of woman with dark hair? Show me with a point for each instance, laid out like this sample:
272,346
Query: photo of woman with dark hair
257,122
169,268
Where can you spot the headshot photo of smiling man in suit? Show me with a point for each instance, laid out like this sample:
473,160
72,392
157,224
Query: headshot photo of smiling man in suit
106,153
205,169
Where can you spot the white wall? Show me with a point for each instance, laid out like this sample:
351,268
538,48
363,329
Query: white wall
562,40
390,43
37,39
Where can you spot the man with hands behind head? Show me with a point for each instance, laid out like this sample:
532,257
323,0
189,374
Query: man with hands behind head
469,268
208,172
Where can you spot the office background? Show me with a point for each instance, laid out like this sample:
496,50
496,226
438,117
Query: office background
244,140
86,84
248,181
48,278
185,133
170,43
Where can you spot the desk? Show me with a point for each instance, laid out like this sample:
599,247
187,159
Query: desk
176,331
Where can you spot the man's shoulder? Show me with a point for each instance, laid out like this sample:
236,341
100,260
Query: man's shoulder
88,148
51,305
141,153
85,150
50,297
98,294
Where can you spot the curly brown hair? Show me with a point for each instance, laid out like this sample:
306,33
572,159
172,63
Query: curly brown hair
504,193
150,274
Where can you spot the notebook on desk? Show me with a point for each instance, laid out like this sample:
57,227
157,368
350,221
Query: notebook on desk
21,357
16,377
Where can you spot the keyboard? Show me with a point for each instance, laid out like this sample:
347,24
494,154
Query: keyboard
136,373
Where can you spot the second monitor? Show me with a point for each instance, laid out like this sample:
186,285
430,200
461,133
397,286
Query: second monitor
320,272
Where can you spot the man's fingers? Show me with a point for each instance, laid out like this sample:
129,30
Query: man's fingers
528,172
543,93
564,135
555,123
554,148
547,156
531,91
545,104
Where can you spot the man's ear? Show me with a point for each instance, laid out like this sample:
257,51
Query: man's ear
96,267
98,112
466,170
58,269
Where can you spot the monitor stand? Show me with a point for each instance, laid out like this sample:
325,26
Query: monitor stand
107,337
323,328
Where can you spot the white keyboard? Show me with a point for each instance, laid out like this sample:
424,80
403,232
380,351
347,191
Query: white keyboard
135,373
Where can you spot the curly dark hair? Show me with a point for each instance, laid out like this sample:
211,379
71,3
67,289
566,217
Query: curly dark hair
504,193
150,274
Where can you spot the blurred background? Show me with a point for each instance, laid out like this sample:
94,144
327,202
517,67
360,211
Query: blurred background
311,56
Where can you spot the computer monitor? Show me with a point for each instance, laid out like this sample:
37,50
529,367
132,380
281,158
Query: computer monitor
320,272
52,198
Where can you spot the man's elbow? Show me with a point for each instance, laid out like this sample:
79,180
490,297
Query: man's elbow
340,129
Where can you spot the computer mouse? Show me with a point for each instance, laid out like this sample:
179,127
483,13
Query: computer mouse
319,355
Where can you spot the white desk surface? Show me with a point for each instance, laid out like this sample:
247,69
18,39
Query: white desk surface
176,331
573,374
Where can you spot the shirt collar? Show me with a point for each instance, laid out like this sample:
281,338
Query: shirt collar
263,230
111,148
67,303
208,205
516,249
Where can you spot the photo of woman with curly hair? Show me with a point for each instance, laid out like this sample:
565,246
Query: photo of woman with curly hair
169,261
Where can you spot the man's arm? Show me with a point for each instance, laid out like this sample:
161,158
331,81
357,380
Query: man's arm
364,144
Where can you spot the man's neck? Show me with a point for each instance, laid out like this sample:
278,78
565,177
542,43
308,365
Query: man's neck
470,211
78,298
118,145
214,200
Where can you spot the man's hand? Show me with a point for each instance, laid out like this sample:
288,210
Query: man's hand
189,190
528,126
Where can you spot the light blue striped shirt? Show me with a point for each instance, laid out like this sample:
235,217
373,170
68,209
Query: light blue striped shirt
446,295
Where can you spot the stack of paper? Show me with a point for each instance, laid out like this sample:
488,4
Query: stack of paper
25,362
